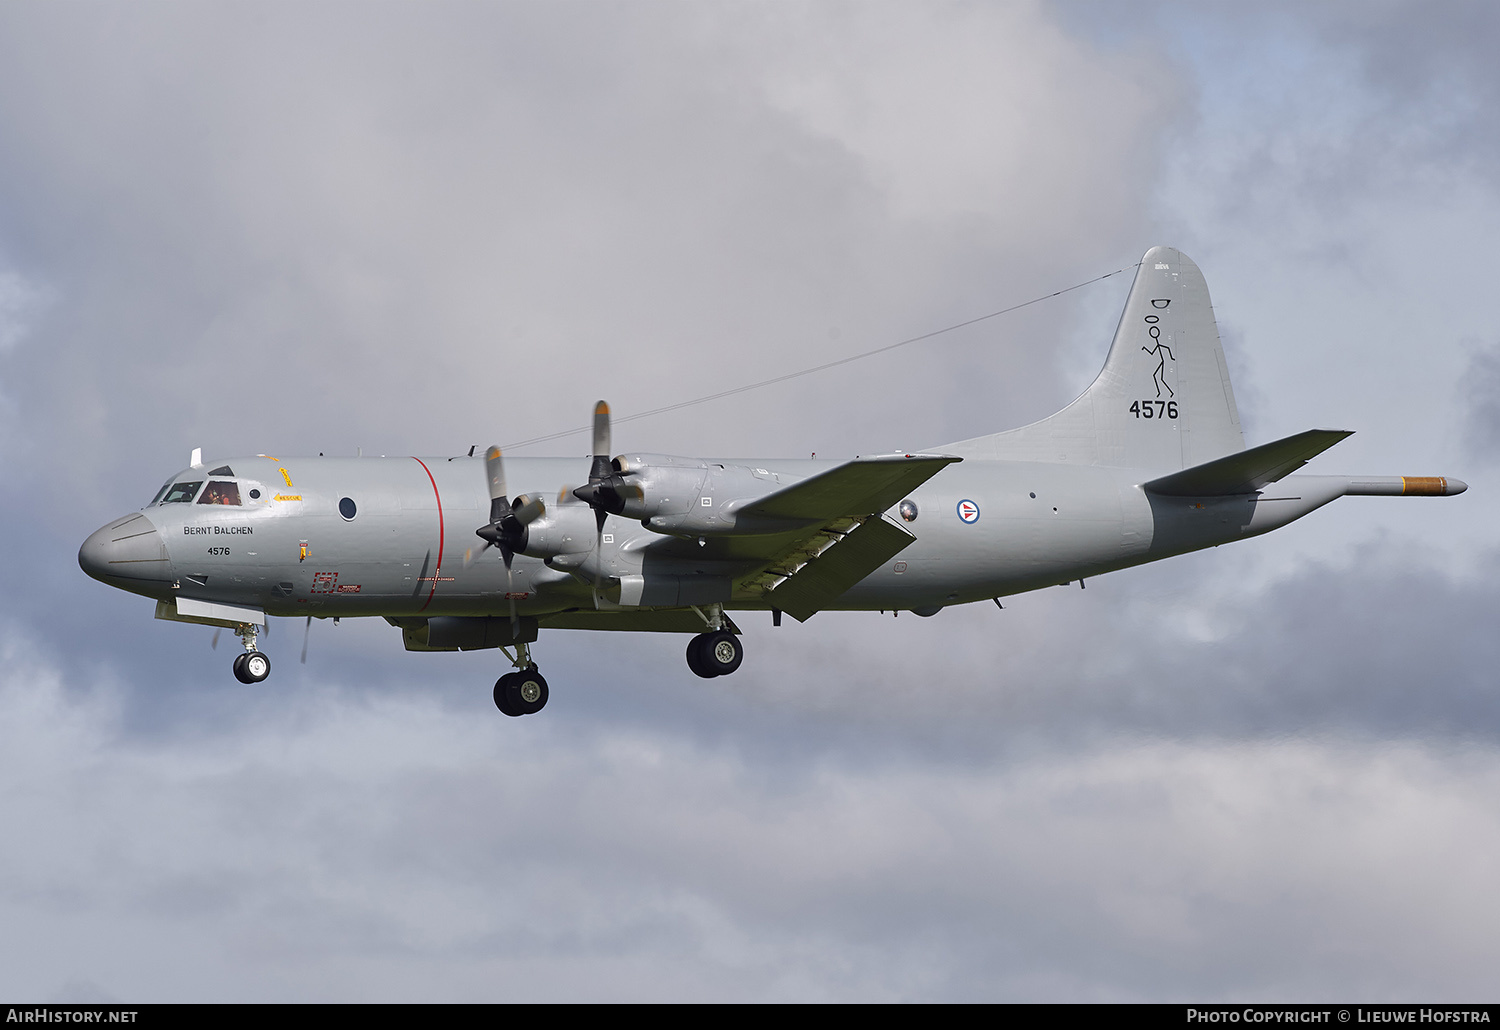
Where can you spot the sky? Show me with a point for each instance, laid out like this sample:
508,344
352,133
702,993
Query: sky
1263,772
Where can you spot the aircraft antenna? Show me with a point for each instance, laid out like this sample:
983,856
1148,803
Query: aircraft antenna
826,365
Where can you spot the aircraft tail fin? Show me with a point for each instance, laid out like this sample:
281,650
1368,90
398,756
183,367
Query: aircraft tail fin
1163,400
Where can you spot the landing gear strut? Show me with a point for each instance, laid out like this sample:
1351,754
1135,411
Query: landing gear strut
252,666
523,692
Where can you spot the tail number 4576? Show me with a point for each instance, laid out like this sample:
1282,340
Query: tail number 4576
1154,409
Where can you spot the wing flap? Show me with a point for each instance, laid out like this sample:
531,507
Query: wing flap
838,567
1247,471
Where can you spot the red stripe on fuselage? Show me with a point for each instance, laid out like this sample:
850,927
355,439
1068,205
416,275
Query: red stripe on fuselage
439,570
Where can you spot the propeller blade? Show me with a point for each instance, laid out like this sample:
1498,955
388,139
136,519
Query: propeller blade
599,516
494,470
472,554
601,430
528,509
510,595
214,646
306,632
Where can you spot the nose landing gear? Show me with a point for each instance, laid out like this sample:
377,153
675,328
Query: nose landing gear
252,666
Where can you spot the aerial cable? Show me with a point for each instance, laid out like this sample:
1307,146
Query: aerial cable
825,366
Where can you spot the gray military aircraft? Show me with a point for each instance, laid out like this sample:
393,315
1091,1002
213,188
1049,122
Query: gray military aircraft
1149,462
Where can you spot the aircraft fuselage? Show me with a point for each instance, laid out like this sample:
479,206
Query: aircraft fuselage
983,529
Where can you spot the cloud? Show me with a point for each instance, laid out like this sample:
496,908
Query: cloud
395,850
1479,393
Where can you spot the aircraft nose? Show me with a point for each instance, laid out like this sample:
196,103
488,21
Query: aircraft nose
127,548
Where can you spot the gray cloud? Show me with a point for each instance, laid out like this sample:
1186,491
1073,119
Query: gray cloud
406,853
1479,393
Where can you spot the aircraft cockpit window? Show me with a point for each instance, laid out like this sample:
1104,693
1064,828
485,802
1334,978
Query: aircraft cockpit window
180,493
222,470
220,493
160,493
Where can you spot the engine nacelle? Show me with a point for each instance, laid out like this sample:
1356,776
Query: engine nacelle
564,528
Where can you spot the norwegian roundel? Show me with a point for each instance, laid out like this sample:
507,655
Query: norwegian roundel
968,511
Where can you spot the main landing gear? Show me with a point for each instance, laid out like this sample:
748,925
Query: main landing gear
717,652
523,692
252,666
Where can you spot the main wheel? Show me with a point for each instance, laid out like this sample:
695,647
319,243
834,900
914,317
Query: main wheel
695,658
715,654
239,667
504,692
724,652
530,691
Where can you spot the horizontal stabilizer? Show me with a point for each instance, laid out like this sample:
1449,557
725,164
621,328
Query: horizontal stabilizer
1248,471
854,489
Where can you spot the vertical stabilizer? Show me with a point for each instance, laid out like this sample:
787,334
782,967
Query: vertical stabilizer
1163,400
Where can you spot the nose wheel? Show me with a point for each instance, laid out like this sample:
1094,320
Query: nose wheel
252,667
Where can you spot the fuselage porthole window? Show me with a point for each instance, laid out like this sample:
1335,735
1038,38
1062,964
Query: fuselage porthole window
255,495
182,493
347,508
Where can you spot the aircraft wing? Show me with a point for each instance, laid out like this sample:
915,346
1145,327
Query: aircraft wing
1247,471
860,487
847,537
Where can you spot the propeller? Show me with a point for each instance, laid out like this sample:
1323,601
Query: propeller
602,492
606,490
306,631
506,529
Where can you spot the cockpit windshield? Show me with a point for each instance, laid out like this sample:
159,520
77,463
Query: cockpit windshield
181,492
160,493
220,493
